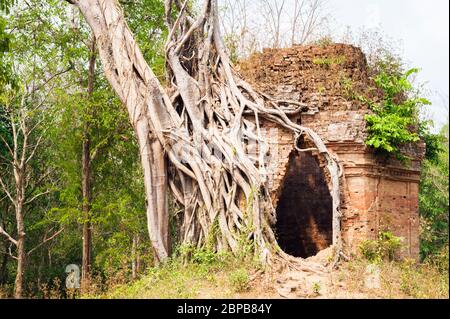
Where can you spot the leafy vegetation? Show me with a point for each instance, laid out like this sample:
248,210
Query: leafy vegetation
207,274
46,56
239,280
386,247
395,119
434,203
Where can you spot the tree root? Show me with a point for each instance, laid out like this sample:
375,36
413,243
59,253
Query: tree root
203,130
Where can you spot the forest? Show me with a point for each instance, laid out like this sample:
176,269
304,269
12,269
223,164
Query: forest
98,99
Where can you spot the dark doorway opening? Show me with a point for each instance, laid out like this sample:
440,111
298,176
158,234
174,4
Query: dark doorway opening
304,210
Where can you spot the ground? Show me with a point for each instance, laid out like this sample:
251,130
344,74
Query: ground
355,279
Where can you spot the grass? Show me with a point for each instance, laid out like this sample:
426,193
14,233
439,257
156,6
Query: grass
329,61
240,279
211,275
399,280
223,276
231,279
205,276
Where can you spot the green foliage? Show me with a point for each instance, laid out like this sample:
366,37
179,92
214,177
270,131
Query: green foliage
205,257
386,247
395,119
173,279
216,275
42,38
49,40
146,20
239,280
232,44
6,73
434,200
435,143
5,5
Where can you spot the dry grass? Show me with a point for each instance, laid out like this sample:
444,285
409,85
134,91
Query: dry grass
398,280
221,278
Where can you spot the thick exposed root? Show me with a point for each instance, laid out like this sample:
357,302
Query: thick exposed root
223,183
201,124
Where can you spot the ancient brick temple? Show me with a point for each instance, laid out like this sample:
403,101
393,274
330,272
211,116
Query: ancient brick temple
377,193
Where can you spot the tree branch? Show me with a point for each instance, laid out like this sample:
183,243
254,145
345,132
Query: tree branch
6,191
46,240
7,146
37,196
38,143
3,232
8,253
46,81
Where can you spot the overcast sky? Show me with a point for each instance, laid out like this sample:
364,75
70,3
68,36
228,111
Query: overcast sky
421,26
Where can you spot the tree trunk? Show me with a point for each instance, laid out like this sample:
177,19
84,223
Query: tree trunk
134,258
86,189
21,253
138,256
86,177
40,267
203,128
139,90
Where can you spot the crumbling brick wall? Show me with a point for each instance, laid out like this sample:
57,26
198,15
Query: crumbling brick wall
378,194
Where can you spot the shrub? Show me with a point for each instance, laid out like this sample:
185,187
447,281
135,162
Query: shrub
395,119
439,260
204,257
369,249
434,201
386,247
240,280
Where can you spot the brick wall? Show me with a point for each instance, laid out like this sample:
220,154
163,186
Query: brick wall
377,193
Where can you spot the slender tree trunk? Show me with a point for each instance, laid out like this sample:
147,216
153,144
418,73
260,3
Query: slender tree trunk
40,267
21,253
87,235
138,255
134,258
86,178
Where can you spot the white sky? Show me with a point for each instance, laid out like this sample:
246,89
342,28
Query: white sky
422,27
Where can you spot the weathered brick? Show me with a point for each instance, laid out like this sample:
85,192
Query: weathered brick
378,194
